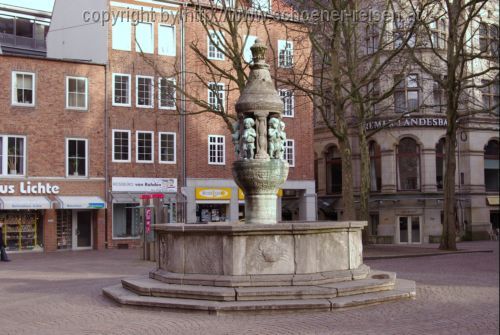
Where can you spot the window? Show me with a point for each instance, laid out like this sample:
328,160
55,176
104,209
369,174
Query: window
262,5
121,89
375,167
285,54
488,39
440,163
144,147
76,162
126,221
121,145
215,46
167,93
490,94
6,25
23,89
289,154
144,92
408,160
333,171
76,93
216,150
438,34
122,35
401,27
372,39
373,224
166,40
167,148
144,38
492,166
288,101
216,97
406,94
12,155
247,53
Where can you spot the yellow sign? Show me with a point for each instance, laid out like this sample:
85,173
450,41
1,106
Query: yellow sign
241,195
222,193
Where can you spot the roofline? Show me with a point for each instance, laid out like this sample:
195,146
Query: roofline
64,60
27,11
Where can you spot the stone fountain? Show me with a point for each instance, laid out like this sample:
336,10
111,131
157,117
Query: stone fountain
260,265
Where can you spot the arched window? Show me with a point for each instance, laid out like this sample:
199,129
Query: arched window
333,171
375,167
408,160
440,163
491,166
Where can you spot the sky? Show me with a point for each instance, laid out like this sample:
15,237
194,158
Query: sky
34,4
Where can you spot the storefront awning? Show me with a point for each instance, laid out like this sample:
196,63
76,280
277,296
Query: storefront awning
125,198
20,202
493,200
74,202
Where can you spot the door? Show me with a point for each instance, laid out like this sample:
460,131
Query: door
82,230
409,229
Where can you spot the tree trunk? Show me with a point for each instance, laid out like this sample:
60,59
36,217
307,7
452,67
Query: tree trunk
448,237
364,192
347,179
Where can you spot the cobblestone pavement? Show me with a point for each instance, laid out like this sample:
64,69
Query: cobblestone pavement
60,293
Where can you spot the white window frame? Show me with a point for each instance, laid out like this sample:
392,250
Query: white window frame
263,9
292,98
137,42
160,37
137,147
14,89
137,91
129,95
282,46
87,155
219,55
127,35
223,149
159,94
222,100
160,147
129,146
286,146
4,172
86,93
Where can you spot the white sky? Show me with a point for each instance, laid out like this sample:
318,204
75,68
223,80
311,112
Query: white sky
34,4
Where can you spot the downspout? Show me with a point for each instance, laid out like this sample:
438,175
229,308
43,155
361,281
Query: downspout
106,157
183,111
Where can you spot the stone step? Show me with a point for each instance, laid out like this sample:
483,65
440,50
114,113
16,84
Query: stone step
404,289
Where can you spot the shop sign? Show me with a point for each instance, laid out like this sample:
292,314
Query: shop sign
408,122
223,193
148,219
29,188
241,195
144,185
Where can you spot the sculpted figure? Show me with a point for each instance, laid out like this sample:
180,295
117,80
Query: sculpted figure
282,140
273,135
248,137
236,139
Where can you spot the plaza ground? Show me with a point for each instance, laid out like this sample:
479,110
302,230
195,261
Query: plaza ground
60,293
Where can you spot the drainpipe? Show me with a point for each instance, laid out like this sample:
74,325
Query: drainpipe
106,147
183,109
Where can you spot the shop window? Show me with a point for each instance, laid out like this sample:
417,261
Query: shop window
121,145
373,224
491,166
289,155
211,212
288,101
247,52
64,229
76,93
375,167
144,91
215,45
440,163
406,94
216,96
144,38
285,54
408,160
12,155
121,89
23,89
333,171
216,150
22,230
262,5
167,148
76,157
145,145
126,221
167,92
122,35
490,93
166,40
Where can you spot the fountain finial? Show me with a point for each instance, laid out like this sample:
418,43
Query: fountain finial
258,51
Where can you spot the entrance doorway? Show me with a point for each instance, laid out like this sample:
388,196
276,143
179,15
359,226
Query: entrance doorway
409,229
82,230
